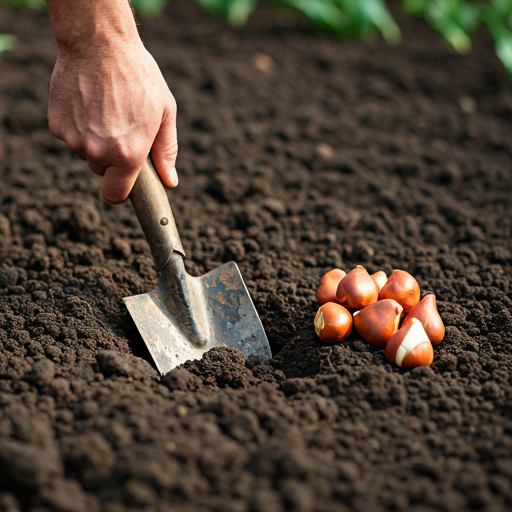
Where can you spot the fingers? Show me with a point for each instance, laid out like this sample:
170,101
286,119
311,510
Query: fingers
120,165
118,182
119,162
165,147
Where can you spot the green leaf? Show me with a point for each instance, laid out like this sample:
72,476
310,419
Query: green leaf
149,7
379,15
460,41
468,17
493,21
239,11
7,42
414,7
36,5
502,7
504,51
325,13
235,12
453,19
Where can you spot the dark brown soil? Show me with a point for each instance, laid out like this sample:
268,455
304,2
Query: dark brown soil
334,155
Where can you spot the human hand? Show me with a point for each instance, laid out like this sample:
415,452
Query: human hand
111,105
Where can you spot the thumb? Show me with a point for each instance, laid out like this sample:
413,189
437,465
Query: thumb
165,149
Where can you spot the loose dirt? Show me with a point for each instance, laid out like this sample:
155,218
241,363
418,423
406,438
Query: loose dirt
297,155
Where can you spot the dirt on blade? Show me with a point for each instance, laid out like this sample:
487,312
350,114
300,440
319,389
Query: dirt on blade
297,155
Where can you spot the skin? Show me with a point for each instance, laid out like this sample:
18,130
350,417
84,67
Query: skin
108,99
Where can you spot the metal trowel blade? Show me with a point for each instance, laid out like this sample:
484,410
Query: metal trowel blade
232,319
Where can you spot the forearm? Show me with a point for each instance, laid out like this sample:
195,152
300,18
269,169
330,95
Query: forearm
91,25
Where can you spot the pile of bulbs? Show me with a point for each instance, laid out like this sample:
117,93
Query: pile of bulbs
379,304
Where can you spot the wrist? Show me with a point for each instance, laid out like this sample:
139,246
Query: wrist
94,28
102,46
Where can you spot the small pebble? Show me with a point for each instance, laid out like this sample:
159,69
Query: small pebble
181,411
263,62
325,150
467,105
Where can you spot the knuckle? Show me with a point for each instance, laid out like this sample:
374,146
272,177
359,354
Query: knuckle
92,149
125,155
74,143
130,157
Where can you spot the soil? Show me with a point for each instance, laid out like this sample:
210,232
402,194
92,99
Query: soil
297,154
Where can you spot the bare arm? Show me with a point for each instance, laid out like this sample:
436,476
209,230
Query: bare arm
108,99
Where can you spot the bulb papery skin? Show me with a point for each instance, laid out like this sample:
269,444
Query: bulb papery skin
426,312
410,346
421,355
378,322
329,285
403,288
380,278
333,322
357,289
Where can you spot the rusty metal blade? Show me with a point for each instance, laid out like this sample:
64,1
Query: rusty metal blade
231,319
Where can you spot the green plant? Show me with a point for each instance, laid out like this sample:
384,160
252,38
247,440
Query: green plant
498,18
356,19
456,20
349,18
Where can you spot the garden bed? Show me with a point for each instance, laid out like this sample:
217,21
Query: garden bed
297,155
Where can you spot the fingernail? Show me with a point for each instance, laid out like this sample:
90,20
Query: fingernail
173,175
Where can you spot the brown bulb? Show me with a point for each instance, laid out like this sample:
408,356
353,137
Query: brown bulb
357,289
426,312
410,346
380,279
333,322
403,288
329,285
377,322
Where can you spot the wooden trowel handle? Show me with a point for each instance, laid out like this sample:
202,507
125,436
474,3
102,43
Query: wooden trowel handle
153,210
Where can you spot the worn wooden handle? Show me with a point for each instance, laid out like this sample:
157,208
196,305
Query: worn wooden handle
150,202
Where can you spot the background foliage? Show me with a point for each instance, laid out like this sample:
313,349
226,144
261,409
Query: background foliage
456,20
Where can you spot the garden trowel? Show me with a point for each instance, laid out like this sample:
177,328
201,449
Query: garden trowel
185,316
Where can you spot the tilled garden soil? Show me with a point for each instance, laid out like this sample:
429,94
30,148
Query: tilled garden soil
297,155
